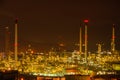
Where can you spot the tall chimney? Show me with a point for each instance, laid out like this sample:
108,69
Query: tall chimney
7,39
86,39
80,46
113,39
16,40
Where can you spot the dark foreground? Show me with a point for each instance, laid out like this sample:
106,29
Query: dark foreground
14,75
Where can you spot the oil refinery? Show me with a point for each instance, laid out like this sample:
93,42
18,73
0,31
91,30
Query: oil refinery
62,65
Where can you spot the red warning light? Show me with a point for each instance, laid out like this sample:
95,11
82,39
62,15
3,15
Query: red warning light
113,37
86,21
15,44
16,20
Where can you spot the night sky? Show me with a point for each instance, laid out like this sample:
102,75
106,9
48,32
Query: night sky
46,23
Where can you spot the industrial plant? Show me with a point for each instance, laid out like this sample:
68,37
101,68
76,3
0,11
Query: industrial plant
60,65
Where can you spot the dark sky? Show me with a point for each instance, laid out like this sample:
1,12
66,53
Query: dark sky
49,22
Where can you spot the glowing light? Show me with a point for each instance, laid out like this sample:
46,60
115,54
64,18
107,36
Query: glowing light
113,37
86,21
32,52
9,68
61,44
22,79
16,44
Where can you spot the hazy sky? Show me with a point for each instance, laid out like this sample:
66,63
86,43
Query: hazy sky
49,22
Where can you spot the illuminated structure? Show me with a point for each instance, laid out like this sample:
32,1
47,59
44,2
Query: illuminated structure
56,66
29,50
16,40
80,41
7,39
99,48
113,39
86,39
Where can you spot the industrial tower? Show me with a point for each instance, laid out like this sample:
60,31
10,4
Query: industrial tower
113,39
80,45
7,42
86,39
16,40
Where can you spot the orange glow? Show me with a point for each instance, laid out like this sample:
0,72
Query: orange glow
40,78
56,78
113,37
16,44
61,44
22,79
32,52
63,78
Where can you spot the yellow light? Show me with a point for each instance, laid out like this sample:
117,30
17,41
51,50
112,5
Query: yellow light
9,68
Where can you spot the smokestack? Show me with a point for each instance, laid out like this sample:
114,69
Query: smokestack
113,39
86,39
7,39
16,40
80,50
